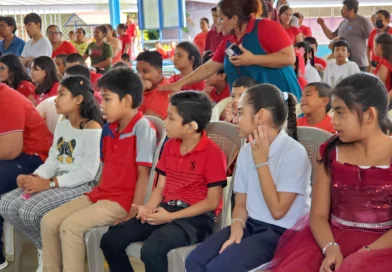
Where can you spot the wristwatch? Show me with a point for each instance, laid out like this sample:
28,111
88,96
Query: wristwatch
52,184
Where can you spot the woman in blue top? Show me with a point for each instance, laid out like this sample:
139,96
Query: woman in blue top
267,57
11,44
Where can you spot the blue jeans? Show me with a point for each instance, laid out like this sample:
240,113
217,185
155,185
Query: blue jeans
9,171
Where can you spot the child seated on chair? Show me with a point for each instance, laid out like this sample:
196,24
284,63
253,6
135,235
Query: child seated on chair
240,86
271,192
149,67
315,104
128,145
217,87
181,208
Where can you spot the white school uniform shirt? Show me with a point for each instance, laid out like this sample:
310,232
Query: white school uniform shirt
74,157
290,170
40,48
335,73
311,73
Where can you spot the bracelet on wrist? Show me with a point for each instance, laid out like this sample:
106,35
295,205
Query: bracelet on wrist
329,245
257,166
238,220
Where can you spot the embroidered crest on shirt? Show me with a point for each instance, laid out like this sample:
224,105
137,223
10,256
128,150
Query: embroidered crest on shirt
193,165
66,150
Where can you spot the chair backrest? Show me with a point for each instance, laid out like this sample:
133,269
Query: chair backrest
160,126
311,139
219,108
226,137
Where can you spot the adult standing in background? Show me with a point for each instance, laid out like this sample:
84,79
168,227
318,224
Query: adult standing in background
115,43
306,31
285,19
264,59
200,39
11,44
214,36
355,29
132,32
58,45
80,43
125,39
38,45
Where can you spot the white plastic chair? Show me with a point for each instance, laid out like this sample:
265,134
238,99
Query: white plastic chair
219,108
47,110
311,139
93,237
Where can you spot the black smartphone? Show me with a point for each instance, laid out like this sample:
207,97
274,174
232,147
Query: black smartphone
233,50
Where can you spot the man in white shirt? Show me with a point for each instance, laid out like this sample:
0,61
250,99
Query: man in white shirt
38,45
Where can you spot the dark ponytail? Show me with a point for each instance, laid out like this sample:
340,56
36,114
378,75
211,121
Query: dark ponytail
360,92
79,85
269,97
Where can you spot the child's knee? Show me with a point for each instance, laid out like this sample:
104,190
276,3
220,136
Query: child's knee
50,223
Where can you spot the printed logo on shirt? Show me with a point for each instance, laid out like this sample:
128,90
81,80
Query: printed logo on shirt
66,150
193,165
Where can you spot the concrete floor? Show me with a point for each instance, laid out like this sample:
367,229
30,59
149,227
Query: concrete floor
29,261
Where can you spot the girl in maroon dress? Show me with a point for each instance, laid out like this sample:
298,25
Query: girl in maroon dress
350,224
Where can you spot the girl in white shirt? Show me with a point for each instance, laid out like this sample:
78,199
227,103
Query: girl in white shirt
343,68
71,167
271,191
311,73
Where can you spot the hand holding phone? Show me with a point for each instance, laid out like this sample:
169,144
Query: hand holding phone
233,50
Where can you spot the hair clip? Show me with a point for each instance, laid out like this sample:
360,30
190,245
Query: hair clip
285,96
81,82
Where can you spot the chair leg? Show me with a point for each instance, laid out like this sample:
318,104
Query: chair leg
8,237
18,245
95,257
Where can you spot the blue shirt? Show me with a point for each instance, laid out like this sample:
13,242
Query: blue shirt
16,47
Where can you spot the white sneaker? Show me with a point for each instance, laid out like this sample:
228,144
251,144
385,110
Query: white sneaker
3,265
40,261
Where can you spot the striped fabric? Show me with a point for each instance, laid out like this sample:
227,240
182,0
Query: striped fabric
26,215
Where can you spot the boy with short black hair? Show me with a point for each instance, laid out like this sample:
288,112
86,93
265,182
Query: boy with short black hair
128,145
181,208
319,63
217,87
74,59
343,68
61,61
149,67
126,59
38,45
315,104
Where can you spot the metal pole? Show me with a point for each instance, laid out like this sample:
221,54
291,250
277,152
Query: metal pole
114,8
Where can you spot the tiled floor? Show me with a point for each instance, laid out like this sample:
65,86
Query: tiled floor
29,261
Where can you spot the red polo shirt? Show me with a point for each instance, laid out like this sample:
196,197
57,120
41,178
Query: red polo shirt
307,31
388,65
217,97
94,77
325,124
200,41
126,39
19,115
189,176
198,86
53,92
65,48
372,36
26,88
156,101
266,30
121,154
132,30
213,39
293,31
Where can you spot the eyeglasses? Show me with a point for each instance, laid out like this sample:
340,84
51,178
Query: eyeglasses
3,68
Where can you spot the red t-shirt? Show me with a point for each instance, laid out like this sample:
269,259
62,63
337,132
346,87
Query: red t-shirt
53,92
94,77
131,30
320,61
307,31
213,40
266,30
156,101
388,65
218,97
200,41
189,176
199,86
325,124
372,36
126,39
293,31
65,48
19,115
121,154
26,88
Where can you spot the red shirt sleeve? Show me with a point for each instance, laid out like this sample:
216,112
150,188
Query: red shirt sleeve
208,42
158,104
26,88
161,166
215,168
69,48
371,39
306,31
219,55
13,118
268,29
